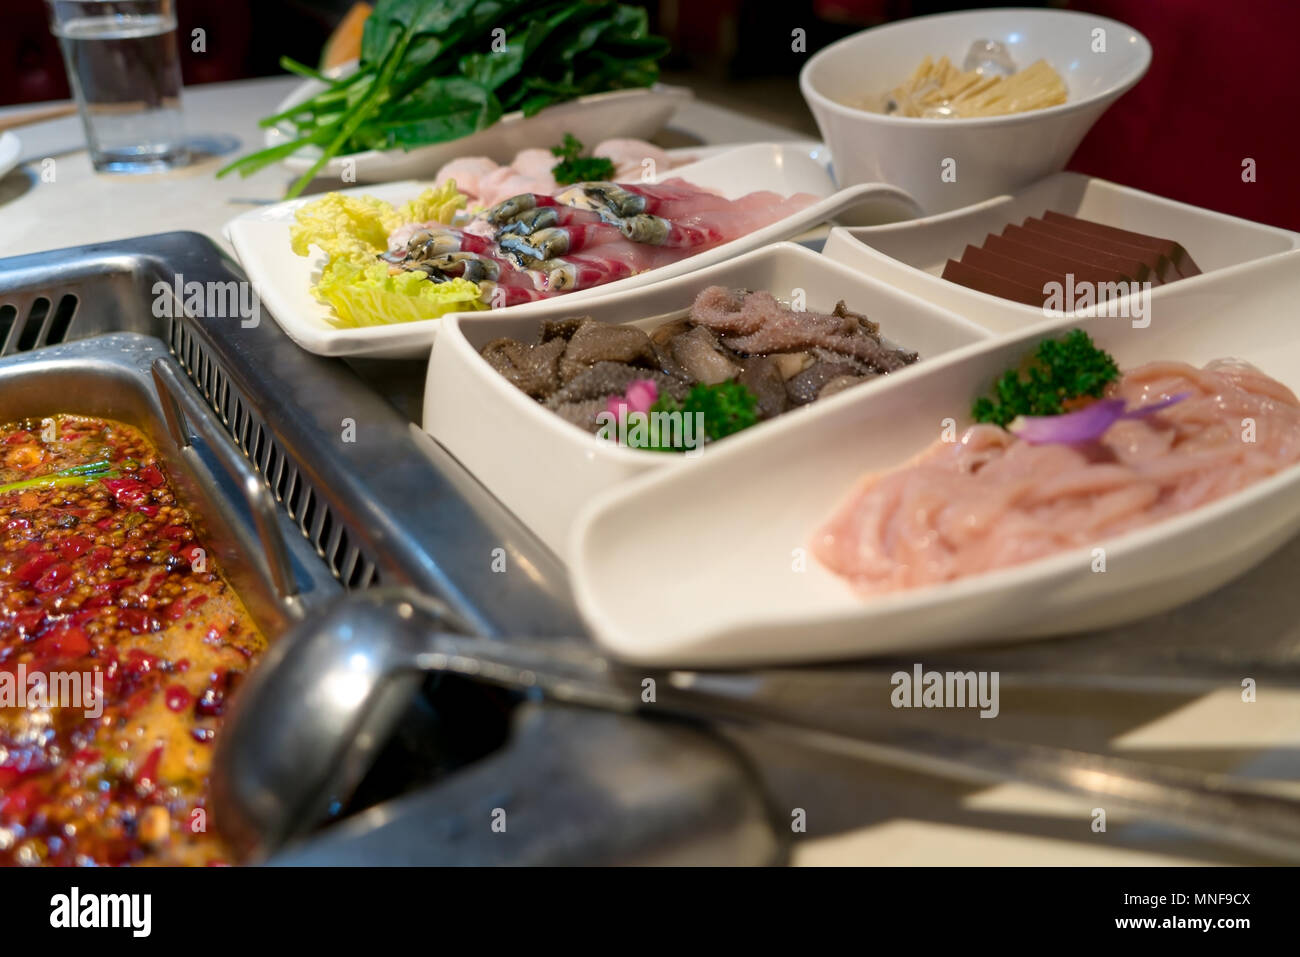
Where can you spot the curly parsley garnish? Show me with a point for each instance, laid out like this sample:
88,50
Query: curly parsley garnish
573,167
727,407
1060,371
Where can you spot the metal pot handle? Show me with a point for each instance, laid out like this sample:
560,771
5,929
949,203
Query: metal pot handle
183,413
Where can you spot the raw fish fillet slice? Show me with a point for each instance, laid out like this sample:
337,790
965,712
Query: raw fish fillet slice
629,157
467,171
506,182
678,204
441,239
992,500
535,163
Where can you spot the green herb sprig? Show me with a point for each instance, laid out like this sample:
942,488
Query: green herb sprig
728,407
1059,371
74,475
573,167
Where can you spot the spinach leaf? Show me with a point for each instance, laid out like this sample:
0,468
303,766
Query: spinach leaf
436,70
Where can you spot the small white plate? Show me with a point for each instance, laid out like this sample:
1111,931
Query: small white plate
567,466
282,280
638,114
699,565
11,148
912,255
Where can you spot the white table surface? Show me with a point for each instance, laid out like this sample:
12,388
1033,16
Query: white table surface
852,816
81,206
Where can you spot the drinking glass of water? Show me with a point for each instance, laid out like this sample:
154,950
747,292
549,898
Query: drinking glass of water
125,72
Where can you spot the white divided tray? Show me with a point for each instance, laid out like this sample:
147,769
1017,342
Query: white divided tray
912,255
696,566
545,469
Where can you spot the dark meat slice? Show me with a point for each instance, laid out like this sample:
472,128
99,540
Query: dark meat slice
755,323
587,394
699,353
612,378
581,413
866,325
801,331
561,328
664,334
669,365
807,385
662,339
761,376
790,364
821,354
534,369
595,342
733,311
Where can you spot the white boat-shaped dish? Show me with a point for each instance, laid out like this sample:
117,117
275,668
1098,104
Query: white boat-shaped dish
697,566
638,114
544,468
912,255
283,280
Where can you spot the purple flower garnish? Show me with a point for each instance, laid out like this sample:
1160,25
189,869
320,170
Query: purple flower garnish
1087,425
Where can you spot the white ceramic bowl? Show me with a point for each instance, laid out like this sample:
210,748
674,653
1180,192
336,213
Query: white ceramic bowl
912,255
544,468
993,155
695,566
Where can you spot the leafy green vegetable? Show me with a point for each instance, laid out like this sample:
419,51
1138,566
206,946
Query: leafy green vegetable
371,296
432,71
573,167
1059,371
727,408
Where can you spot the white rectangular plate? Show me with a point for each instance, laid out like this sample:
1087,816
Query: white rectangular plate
283,280
616,114
912,255
707,565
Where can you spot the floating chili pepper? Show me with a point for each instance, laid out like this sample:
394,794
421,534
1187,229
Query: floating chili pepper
34,567
73,546
139,622
56,580
29,621
146,778
128,491
178,698
139,662
64,643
